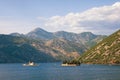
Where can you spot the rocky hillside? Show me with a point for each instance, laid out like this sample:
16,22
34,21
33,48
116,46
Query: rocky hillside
66,48
106,52
59,49
42,46
21,49
88,39
39,33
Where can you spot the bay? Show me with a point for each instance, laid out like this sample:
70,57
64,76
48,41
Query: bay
54,71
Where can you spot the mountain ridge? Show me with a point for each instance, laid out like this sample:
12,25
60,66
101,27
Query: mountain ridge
40,33
47,46
82,38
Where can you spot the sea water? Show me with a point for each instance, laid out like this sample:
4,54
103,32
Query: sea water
54,71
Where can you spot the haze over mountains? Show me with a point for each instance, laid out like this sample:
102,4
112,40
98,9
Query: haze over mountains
42,46
83,38
87,38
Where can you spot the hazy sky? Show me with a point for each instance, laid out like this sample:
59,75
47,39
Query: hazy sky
97,16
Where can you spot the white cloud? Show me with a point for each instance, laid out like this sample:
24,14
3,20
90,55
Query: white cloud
98,20
8,26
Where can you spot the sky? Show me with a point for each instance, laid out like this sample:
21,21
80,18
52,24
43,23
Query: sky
96,16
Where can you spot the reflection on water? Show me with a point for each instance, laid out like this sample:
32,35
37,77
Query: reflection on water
53,71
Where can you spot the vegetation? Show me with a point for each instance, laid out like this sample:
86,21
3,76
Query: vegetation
105,52
42,46
74,61
17,49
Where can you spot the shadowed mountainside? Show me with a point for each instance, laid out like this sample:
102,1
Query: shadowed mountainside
42,46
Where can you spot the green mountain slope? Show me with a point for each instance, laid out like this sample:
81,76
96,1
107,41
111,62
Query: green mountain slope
21,49
106,52
16,49
42,46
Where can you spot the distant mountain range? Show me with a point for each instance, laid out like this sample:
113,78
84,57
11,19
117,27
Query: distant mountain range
87,38
106,52
42,46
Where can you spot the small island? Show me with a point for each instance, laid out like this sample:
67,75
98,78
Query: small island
71,63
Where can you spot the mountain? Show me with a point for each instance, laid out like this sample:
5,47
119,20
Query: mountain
66,48
86,38
106,52
42,46
66,35
59,49
17,34
16,49
20,49
40,33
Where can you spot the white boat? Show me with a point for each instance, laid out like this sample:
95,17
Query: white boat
30,64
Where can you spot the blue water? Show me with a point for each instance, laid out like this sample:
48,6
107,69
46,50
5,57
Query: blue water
53,71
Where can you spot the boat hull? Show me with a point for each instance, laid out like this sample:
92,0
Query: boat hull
30,65
70,65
